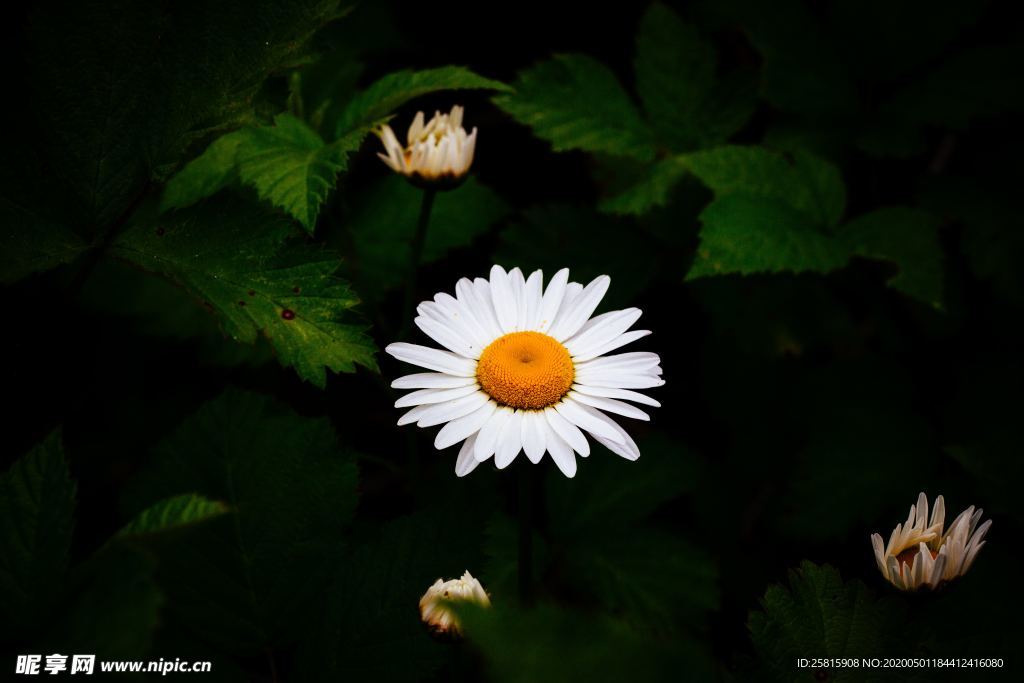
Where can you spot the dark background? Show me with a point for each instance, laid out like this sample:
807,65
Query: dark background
801,412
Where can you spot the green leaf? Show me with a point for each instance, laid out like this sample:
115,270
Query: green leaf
207,174
555,644
675,74
37,503
371,628
807,184
291,167
820,615
30,243
235,258
392,91
748,234
650,191
907,237
173,513
384,222
249,579
116,610
124,88
155,308
575,102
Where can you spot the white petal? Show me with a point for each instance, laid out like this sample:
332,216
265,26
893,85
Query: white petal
412,415
535,428
621,380
463,427
487,438
503,299
611,392
447,337
569,432
578,311
626,448
466,463
621,340
423,396
443,412
635,361
585,417
431,380
478,302
518,284
532,297
561,453
600,330
610,405
510,442
433,359
552,300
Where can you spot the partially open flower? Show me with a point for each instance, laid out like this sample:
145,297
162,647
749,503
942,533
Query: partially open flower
438,153
920,555
437,614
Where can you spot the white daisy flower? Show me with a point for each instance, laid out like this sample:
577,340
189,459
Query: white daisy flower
435,613
526,370
438,152
920,555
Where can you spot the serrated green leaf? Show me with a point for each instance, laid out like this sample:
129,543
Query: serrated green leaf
907,237
650,191
207,174
807,184
173,513
820,615
37,504
384,222
392,91
748,234
30,243
235,257
124,88
249,579
575,102
675,71
675,77
156,308
291,167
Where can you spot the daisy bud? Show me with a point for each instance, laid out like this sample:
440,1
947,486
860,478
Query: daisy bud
434,609
438,153
921,555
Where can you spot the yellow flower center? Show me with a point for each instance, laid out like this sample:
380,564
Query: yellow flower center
527,370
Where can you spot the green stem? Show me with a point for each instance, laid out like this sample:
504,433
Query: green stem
525,533
418,240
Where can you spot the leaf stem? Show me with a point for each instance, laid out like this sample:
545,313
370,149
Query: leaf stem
416,255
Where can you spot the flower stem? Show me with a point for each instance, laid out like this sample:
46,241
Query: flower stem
416,255
525,534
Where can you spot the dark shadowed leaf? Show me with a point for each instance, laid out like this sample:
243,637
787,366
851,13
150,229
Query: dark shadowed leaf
384,223
386,95
37,503
820,615
247,580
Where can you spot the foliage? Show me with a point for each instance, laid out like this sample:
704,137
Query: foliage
813,204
